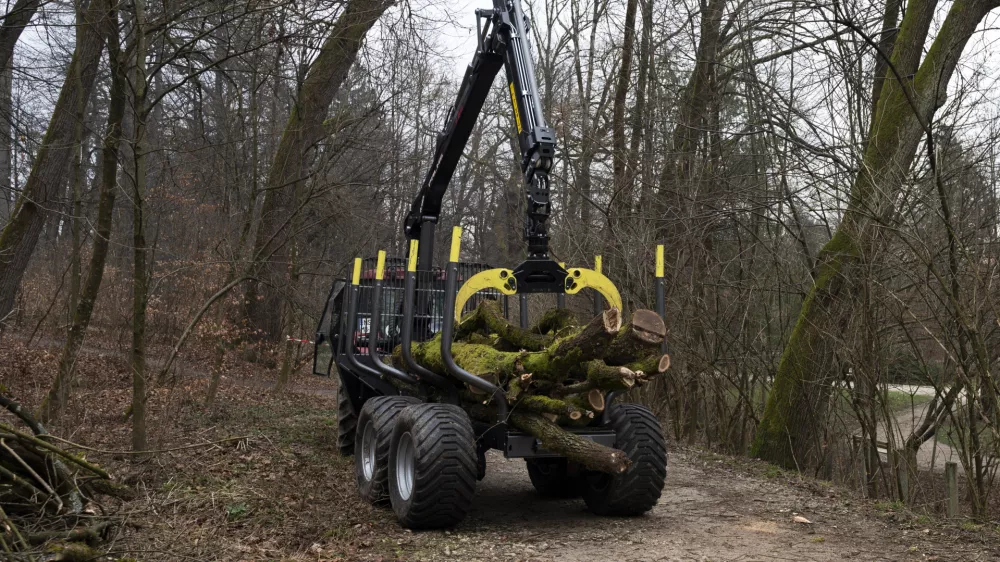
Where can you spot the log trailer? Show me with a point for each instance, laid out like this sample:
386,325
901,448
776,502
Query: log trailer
417,447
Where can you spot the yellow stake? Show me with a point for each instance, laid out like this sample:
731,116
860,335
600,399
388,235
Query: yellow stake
456,243
597,264
659,260
414,246
356,278
380,266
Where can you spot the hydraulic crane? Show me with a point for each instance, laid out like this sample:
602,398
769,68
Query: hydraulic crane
502,41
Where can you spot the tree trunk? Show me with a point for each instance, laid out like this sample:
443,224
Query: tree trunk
6,141
56,399
788,432
303,132
76,193
20,235
622,196
140,267
13,24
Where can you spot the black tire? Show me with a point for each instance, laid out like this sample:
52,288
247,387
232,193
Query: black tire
432,466
371,444
635,491
347,423
551,478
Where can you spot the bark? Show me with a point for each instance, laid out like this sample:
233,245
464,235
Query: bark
303,132
58,395
789,432
20,234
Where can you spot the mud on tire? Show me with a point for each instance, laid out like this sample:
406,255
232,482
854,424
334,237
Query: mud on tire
371,444
635,491
432,466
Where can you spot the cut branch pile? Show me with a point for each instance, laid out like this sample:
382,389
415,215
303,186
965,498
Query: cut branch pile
555,374
46,493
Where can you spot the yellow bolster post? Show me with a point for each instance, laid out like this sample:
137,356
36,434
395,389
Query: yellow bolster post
659,260
456,244
380,266
597,264
356,277
412,264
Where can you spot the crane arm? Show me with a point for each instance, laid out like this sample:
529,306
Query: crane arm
502,40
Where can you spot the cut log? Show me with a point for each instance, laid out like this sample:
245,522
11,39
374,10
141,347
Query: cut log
575,448
599,376
637,340
546,405
568,355
592,400
652,365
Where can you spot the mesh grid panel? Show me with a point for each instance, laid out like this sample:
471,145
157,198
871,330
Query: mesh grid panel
428,314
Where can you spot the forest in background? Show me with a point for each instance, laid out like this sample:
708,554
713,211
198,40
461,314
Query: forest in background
822,176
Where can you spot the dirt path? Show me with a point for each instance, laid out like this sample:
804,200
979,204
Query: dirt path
709,512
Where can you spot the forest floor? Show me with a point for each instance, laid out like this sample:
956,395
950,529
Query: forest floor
258,478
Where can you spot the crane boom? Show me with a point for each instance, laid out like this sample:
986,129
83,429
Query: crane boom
502,40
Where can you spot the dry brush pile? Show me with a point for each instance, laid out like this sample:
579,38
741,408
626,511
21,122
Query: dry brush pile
555,374
49,497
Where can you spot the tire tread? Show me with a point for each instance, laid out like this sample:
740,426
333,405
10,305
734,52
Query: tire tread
446,466
636,491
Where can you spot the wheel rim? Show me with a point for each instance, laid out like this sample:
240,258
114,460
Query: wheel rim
368,451
405,469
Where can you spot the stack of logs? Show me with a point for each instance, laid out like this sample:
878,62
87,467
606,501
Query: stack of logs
555,374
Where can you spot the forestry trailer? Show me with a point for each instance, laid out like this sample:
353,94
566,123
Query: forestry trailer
419,410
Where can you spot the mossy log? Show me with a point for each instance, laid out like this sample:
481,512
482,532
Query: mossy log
575,448
554,320
488,318
592,400
561,359
544,405
570,353
651,365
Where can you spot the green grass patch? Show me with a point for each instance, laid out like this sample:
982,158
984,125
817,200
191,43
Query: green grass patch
899,400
